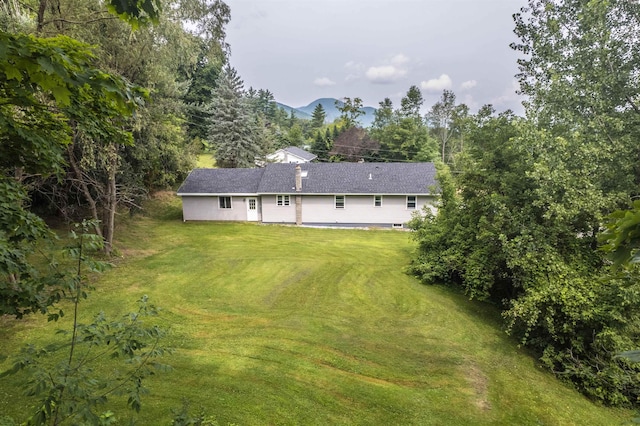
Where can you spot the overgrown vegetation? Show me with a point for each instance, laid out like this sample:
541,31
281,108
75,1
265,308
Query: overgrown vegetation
67,379
519,222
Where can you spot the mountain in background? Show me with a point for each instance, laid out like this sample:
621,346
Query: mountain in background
329,105
298,113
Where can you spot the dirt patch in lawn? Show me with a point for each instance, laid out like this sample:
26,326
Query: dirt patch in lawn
479,383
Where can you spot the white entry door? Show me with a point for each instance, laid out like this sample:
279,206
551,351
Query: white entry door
252,209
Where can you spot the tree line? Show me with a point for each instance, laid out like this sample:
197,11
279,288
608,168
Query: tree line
245,125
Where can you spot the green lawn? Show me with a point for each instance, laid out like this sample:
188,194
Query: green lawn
206,161
283,325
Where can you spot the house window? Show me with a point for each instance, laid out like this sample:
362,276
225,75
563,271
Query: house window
224,202
411,202
339,201
282,200
377,201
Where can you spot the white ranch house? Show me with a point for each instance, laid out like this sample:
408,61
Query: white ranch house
315,194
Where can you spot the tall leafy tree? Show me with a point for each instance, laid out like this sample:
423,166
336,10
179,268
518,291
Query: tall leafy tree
579,69
411,103
232,131
402,133
441,118
350,110
383,116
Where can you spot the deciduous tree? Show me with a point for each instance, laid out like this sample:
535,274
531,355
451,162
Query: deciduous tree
350,110
45,86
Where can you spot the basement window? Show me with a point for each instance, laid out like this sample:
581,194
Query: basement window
339,201
282,200
224,202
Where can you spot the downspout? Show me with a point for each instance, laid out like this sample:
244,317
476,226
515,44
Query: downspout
298,195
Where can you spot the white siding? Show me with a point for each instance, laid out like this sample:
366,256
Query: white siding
208,208
272,213
359,209
320,209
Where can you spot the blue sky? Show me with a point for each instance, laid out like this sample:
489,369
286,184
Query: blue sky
302,50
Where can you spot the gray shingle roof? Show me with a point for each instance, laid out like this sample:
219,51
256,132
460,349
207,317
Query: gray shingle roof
222,181
351,178
321,178
301,153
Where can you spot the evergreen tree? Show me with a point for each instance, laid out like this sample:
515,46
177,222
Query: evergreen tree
262,102
203,80
318,117
319,146
292,119
267,104
232,130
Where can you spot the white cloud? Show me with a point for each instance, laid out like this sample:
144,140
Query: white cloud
469,101
509,97
354,70
399,59
385,74
469,84
394,70
323,82
437,84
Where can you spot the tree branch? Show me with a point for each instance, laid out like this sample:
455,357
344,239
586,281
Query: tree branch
90,21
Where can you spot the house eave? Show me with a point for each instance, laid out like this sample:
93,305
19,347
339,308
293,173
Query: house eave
217,194
424,194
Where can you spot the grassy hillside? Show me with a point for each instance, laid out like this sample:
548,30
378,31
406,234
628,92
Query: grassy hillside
284,325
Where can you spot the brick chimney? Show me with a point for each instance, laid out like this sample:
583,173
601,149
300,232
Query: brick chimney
298,178
298,195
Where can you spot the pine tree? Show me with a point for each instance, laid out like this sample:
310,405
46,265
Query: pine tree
319,146
232,130
318,117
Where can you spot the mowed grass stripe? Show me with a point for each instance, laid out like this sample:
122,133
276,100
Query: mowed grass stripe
283,325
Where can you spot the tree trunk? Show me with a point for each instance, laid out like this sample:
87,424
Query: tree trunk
111,201
40,19
444,144
83,186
